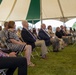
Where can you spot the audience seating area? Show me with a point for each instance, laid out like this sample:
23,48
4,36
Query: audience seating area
36,51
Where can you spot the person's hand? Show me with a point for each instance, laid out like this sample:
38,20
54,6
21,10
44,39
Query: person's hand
24,43
12,54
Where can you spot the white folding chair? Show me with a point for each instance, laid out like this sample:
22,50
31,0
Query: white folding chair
36,53
2,72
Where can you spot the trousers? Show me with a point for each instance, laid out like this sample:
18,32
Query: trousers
11,63
41,43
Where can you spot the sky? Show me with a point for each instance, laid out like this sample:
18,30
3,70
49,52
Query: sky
53,23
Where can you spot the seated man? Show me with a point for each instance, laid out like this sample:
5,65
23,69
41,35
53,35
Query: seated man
47,38
64,35
30,39
11,62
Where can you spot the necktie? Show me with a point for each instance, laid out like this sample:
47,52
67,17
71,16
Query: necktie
32,34
47,33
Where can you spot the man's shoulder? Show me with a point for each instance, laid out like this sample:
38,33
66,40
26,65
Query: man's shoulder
23,29
40,30
2,32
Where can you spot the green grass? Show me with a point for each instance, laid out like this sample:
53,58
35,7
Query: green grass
60,63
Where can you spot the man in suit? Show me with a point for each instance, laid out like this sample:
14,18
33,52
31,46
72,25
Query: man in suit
29,38
11,62
43,34
64,35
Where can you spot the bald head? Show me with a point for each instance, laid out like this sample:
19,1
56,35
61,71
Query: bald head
43,26
25,24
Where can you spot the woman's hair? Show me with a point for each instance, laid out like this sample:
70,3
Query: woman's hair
34,30
0,28
57,28
11,24
49,26
5,24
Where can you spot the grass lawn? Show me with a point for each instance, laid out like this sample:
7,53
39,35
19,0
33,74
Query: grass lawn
57,63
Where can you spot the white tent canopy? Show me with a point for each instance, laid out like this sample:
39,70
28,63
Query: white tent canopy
18,9
14,9
58,8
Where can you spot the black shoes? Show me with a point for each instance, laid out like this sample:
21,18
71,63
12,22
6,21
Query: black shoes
55,50
43,56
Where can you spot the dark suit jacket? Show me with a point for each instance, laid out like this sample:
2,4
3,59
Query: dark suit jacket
62,32
58,34
43,36
27,37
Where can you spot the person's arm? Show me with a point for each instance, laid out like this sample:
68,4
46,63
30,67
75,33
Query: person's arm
43,36
17,42
12,54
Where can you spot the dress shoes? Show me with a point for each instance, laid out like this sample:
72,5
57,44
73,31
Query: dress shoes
55,50
43,56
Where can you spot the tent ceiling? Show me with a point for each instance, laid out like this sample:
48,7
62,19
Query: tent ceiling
68,7
30,9
14,9
50,9
58,8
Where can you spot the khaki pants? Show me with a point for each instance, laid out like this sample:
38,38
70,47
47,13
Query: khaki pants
41,43
61,42
55,43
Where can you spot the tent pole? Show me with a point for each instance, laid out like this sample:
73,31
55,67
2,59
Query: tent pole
61,12
32,23
41,11
61,8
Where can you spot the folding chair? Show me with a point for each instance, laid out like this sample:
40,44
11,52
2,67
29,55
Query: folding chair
2,72
74,41
74,44
49,48
34,50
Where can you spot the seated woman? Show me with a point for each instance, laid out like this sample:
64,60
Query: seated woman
11,62
59,35
54,38
15,44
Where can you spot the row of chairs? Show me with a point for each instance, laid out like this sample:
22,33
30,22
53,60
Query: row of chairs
2,71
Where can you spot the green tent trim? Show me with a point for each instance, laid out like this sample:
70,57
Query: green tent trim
33,21
0,1
34,11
